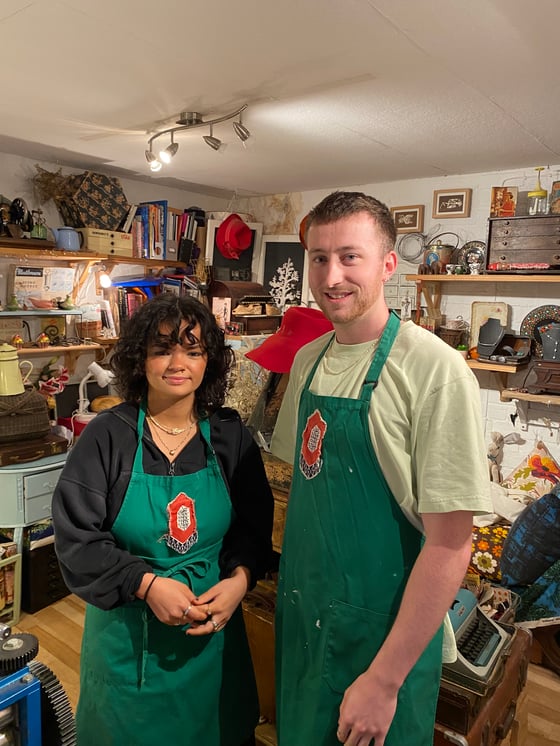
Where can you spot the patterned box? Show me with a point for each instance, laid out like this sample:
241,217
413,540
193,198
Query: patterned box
92,200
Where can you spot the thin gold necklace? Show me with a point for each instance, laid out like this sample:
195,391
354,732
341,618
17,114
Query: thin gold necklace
168,430
173,451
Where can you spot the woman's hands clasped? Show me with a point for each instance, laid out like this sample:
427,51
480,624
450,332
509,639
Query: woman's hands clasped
175,604
218,603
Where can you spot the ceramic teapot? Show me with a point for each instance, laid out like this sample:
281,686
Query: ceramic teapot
67,238
11,381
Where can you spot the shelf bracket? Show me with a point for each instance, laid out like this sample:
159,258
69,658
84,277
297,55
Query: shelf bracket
522,408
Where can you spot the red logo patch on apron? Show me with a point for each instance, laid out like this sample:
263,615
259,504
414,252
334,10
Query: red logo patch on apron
182,524
310,461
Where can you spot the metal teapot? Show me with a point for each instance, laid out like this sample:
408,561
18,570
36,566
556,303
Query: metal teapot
67,238
11,381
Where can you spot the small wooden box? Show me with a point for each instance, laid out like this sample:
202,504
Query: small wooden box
249,292
524,241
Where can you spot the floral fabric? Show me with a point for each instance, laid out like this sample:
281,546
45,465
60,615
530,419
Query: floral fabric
487,546
536,475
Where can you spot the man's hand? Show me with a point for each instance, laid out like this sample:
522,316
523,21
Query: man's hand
366,712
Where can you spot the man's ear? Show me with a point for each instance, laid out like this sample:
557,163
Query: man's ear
390,261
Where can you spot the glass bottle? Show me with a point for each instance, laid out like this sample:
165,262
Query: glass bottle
538,198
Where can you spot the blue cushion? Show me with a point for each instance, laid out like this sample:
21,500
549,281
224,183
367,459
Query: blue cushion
533,543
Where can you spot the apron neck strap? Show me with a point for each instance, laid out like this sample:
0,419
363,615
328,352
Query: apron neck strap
381,354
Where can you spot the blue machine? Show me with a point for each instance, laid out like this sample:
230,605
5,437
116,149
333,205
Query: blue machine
34,709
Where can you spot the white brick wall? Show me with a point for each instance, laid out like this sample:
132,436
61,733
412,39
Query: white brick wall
457,298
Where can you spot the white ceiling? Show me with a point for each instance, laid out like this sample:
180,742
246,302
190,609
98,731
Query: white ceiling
339,92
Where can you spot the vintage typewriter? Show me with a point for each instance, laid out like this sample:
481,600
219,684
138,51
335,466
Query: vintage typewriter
481,642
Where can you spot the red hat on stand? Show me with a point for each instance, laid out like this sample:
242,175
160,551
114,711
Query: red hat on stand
302,231
299,326
233,236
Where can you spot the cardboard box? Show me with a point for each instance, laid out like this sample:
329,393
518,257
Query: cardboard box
107,242
47,283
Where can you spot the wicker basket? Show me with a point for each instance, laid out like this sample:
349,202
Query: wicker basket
451,336
88,329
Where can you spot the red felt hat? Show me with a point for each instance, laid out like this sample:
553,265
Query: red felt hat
302,231
233,236
299,326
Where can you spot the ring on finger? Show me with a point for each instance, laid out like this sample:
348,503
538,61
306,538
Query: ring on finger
208,611
187,610
216,625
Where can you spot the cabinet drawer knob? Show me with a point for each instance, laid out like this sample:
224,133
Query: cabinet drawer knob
503,257
504,243
557,256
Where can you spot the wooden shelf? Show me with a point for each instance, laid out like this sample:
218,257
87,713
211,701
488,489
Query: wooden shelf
495,367
57,255
511,395
485,278
43,312
70,353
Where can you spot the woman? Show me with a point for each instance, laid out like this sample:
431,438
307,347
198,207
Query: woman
163,518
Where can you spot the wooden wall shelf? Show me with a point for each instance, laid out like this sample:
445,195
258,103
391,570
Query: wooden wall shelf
485,278
547,399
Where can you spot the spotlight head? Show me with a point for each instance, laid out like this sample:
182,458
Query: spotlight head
155,165
241,131
150,155
166,155
212,141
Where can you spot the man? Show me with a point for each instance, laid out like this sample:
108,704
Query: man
382,423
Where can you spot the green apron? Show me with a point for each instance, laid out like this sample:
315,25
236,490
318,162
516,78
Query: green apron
347,554
144,682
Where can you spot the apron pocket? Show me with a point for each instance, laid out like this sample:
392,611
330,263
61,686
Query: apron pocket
353,637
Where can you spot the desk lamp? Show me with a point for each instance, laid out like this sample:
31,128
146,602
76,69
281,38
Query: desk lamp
103,378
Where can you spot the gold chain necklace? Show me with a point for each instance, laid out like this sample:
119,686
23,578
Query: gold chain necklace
168,430
173,451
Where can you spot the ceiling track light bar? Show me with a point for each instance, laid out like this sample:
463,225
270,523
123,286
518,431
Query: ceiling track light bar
195,122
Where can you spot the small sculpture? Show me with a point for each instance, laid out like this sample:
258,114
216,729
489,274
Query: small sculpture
17,341
12,304
66,304
43,340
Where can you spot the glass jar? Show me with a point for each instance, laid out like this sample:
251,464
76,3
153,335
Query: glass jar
537,202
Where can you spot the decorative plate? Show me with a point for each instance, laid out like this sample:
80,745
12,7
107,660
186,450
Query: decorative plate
538,317
474,249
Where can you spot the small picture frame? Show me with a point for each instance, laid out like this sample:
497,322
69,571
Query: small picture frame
408,219
503,202
555,198
452,203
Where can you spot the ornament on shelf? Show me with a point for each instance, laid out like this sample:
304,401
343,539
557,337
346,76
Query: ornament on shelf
43,340
17,341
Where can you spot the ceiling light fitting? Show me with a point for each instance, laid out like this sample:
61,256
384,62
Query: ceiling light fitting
188,120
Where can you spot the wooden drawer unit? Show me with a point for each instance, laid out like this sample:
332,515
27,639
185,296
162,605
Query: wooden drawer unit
525,241
27,490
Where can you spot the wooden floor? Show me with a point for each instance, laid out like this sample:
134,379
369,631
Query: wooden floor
59,631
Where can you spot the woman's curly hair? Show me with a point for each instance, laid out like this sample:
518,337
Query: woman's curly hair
142,330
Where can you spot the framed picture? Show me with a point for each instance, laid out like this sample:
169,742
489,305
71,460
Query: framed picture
408,219
503,202
555,198
452,203
246,267
283,270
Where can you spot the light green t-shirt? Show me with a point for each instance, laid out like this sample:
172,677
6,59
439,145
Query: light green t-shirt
424,421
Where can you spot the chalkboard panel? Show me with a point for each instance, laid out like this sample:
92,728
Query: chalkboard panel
283,270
